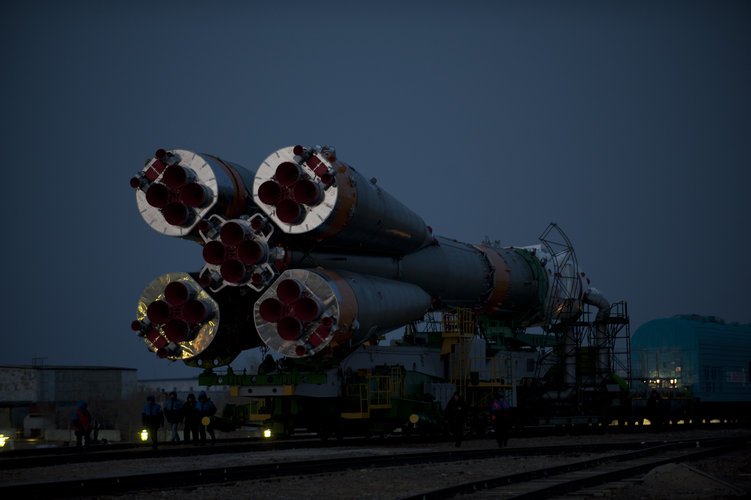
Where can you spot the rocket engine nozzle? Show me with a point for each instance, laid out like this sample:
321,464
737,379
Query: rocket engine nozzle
176,317
308,191
176,293
237,253
178,189
306,312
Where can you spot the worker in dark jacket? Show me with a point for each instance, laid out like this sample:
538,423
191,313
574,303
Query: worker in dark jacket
173,411
81,422
192,419
152,418
455,414
654,410
501,419
206,410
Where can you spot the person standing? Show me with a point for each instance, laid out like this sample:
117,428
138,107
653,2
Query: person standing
206,410
173,410
499,416
455,418
654,410
192,419
82,424
153,418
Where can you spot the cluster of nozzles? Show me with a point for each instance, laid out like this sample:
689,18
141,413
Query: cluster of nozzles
295,311
172,320
291,188
237,252
177,195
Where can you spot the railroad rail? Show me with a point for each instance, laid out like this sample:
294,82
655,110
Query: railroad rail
119,484
46,457
564,479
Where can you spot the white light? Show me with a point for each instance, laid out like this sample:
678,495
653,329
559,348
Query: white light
144,435
267,433
3,440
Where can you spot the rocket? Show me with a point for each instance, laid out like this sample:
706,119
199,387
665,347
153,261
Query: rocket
310,258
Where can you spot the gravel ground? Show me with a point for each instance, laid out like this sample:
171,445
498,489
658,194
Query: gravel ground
717,478
724,477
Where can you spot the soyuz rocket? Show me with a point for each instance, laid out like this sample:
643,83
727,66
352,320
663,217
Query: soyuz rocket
311,259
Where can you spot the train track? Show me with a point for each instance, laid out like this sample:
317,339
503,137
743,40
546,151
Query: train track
632,459
564,479
209,475
47,457
50,456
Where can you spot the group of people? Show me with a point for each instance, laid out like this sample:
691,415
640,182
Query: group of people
500,418
195,415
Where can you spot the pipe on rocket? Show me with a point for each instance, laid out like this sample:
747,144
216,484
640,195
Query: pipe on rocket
595,297
570,343
310,311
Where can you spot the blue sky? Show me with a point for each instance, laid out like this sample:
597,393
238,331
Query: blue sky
627,123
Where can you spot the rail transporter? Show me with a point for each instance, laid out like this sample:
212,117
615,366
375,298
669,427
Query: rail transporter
312,263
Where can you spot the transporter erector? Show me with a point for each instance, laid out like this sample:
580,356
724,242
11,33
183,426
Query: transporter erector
312,262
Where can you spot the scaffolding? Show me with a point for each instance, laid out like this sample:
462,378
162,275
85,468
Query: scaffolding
577,341
375,392
458,333
476,378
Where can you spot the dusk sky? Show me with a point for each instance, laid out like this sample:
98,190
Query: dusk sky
626,123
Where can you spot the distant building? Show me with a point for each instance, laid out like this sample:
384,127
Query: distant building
39,401
700,356
36,398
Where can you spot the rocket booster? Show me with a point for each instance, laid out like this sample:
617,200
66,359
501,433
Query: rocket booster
311,259
310,192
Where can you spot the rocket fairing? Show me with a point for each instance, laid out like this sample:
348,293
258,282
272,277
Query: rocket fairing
311,259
